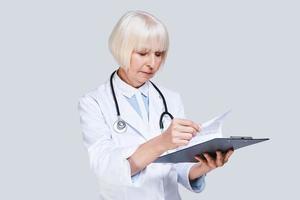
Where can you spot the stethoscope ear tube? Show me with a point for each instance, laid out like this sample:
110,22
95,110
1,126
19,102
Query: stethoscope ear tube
161,124
119,125
166,112
113,93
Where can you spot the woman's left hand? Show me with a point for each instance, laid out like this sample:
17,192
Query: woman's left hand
207,163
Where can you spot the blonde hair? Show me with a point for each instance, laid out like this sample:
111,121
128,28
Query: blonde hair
137,30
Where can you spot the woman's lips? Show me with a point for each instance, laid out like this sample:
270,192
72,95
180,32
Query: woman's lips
148,73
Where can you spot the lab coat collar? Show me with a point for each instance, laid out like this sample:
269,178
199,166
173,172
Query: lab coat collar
127,90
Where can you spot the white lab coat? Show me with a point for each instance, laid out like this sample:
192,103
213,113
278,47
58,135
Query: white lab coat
108,151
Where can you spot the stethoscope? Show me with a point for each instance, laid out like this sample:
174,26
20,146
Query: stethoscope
120,125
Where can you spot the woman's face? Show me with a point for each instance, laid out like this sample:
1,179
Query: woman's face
143,66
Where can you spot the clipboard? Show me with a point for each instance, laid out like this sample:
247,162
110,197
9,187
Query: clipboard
210,146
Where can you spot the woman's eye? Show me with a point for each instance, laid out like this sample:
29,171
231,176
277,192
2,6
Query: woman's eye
158,54
142,53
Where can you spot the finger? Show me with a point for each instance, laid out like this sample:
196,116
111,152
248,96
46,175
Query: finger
219,159
181,142
201,159
186,129
184,136
228,154
186,122
211,163
200,127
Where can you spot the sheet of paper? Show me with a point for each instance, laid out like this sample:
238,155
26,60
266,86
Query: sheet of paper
210,130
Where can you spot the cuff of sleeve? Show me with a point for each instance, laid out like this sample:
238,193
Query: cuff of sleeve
126,153
196,185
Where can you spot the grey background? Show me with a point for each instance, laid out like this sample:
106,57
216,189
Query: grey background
242,55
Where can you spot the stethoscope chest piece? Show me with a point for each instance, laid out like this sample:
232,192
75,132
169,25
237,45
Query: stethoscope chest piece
120,126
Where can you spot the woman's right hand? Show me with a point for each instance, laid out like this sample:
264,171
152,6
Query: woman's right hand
179,133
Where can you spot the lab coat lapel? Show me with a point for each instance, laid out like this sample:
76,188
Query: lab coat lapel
132,118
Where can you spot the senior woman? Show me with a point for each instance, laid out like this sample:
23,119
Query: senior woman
121,123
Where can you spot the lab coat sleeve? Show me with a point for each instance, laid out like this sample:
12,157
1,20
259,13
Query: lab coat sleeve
183,169
107,160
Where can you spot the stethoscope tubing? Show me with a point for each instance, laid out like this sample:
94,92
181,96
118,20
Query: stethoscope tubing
166,112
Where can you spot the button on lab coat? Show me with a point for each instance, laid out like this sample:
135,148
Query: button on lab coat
108,151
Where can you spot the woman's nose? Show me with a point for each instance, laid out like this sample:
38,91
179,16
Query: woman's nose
151,60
